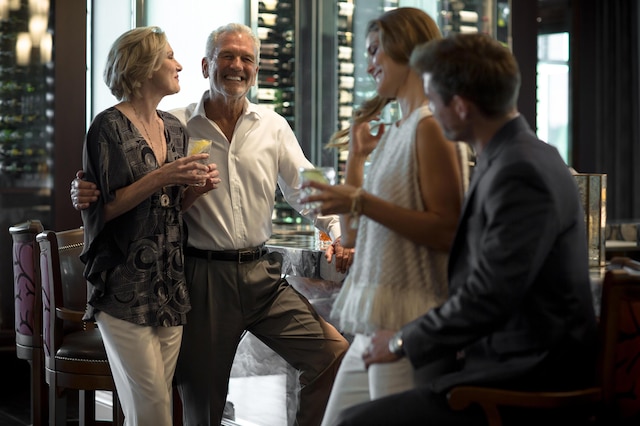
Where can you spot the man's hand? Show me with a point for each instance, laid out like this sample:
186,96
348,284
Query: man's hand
83,193
378,351
343,256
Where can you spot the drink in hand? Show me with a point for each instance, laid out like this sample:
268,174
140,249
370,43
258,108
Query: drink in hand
199,146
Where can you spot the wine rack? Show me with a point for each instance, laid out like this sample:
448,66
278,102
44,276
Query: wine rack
346,74
491,17
346,66
26,108
276,76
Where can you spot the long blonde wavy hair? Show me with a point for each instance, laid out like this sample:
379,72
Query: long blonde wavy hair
400,31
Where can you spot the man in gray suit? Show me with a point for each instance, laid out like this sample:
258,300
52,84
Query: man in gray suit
520,312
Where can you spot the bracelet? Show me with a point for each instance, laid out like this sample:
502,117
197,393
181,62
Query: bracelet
356,208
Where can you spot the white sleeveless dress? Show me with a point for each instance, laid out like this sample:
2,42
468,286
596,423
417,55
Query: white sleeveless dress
393,280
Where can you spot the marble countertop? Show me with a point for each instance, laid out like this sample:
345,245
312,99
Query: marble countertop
302,259
301,236
301,250
306,262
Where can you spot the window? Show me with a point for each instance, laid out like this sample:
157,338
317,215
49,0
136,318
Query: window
553,92
187,26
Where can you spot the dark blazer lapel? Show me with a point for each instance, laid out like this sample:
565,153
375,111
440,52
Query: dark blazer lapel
479,169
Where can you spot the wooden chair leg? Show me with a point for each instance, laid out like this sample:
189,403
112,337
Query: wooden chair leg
39,391
57,405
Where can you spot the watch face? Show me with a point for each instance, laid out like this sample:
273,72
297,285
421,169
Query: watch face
398,343
395,345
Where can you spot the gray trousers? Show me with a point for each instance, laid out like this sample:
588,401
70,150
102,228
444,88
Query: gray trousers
228,298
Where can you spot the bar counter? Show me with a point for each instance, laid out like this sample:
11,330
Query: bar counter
305,265
302,258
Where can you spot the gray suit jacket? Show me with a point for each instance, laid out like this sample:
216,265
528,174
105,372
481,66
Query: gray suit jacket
520,302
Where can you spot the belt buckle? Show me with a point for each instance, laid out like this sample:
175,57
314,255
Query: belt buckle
243,253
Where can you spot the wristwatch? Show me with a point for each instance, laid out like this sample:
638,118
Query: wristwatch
395,344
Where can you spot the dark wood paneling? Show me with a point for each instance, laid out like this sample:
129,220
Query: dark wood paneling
70,44
583,85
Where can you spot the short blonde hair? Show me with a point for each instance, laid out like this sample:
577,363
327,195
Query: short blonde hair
133,58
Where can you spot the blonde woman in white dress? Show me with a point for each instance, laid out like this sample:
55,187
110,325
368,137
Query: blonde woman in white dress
404,213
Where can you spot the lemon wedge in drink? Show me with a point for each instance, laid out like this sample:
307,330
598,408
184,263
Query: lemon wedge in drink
199,146
315,175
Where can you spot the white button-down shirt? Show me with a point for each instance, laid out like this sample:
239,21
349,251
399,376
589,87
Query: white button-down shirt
263,152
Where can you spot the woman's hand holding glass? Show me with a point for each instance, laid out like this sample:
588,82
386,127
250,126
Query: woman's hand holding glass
319,174
191,171
330,199
211,176
361,140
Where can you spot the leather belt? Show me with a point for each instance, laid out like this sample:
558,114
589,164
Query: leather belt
240,256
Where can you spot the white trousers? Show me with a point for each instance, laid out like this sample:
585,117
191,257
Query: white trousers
354,384
142,360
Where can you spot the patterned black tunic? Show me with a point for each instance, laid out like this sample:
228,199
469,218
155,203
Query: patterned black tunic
134,263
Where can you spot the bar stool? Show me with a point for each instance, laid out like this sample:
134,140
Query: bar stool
28,312
75,357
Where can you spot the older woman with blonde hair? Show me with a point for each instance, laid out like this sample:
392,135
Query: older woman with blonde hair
134,232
